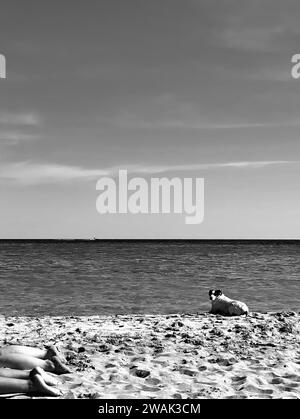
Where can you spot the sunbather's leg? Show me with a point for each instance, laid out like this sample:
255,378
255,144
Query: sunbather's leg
26,362
46,353
12,373
23,350
14,385
25,374
35,384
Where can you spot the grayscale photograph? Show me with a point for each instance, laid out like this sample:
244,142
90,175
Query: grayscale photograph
149,203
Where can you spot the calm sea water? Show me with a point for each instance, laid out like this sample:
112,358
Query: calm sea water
112,277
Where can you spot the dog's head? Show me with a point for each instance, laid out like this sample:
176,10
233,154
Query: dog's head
213,294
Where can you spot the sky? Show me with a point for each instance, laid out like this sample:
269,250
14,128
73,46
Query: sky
185,88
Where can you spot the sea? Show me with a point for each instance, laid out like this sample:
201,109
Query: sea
103,277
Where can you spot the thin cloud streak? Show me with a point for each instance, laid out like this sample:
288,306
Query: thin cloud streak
10,118
14,138
180,124
209,166
26,173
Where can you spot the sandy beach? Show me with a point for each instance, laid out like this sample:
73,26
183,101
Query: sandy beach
169,356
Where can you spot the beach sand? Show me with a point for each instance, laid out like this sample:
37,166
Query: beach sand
169,356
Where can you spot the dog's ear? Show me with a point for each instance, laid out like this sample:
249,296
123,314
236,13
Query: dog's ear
210,292
218,293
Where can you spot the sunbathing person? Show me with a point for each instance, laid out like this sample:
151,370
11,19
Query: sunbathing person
22,370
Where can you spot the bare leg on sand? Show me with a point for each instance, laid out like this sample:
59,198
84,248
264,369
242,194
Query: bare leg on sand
29,383
26,358
26,374
46,353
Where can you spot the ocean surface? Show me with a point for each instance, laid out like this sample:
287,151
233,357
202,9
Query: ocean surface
121,277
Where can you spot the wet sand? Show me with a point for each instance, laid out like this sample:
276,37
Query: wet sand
174,356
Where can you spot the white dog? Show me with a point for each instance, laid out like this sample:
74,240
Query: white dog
220,304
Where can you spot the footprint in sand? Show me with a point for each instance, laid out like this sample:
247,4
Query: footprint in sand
138,359
176,396
153,381
289,388
165,354
250,388
293,385
129,387
277,380
110,366
239,379
162,363
139,372
186,371
292,377
151,389
128,352
267,391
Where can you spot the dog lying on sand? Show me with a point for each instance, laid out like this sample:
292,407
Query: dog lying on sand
220,304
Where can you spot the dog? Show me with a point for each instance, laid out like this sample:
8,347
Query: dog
220,304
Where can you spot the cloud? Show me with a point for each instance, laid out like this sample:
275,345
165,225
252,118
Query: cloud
259,26
136,122
11,118
27,173
15,137
167,111
208,166
14,124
